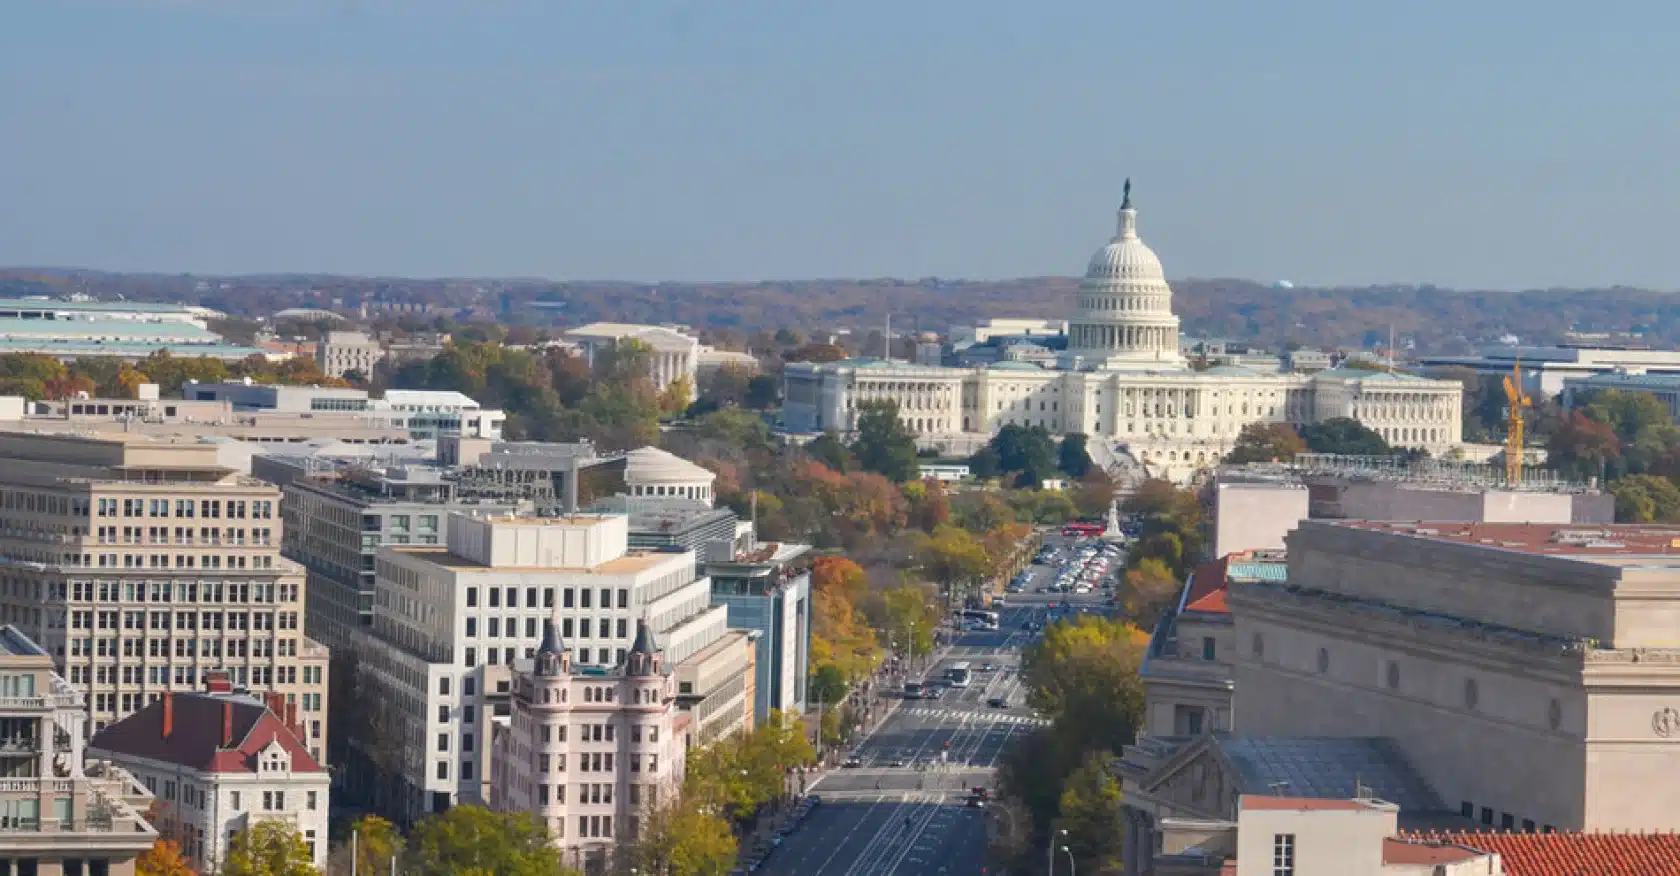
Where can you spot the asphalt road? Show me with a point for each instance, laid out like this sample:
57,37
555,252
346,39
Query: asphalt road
879,819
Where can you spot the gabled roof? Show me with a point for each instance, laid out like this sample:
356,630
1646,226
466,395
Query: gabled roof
1207,588
197,725
1574,854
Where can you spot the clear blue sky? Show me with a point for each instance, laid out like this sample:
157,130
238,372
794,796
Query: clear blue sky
1492,144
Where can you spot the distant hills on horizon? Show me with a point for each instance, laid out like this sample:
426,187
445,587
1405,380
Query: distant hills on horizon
1434,319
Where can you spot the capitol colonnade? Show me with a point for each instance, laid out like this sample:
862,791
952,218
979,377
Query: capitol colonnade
1123,379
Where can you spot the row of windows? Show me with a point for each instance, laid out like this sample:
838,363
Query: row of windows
494,628
237,509
183,535
159,675
570,597
184,647
497,656
1507,821
213,562
174,591
185,620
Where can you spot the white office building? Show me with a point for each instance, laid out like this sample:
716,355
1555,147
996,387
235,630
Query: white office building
452,620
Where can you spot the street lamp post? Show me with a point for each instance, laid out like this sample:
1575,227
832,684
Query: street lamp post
1050,852
1072,870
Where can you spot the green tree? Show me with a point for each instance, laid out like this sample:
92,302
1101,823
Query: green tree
1072,457
985,464
1266,442
472,838
953,558
1344,436
1027,451
829,450
1083,674
376,842
269,848
1150,587
909,617
678,840
1646,499
883,445
763,392
828,684
1090,813
735,427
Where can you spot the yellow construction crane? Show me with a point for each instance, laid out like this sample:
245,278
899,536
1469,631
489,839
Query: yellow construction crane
1517,400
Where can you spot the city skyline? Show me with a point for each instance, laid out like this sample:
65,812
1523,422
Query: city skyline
1493,147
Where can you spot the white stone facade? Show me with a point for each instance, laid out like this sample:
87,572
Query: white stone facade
449,621
676,355
1122,379
342,352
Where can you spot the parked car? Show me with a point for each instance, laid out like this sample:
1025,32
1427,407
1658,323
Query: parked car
998,703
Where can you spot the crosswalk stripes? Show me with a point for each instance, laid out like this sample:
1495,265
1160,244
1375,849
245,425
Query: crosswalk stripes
978,717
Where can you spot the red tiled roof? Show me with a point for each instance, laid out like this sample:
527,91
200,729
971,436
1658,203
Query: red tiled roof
1425,853
1207,587
1577,854
216,734
1301,804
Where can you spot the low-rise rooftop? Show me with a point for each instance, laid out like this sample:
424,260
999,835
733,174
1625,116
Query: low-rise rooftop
1614,544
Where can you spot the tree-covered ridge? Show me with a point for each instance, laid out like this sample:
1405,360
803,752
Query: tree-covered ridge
1436,319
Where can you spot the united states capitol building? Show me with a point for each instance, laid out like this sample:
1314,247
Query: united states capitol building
1122,378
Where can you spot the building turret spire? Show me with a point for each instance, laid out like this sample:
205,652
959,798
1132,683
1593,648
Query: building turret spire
551,657
643,658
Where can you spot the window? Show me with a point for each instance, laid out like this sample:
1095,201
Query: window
1209,648
312,800
443,770
1487,815
1507,821
1283,854
1467,809
472,597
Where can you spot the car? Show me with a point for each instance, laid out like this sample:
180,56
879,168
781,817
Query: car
975,801
997,703
852,763
897,763
988,667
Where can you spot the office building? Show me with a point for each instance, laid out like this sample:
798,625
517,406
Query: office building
58,814
589,750
1546,370
143,565
450,619
767,589
1664,388
219,763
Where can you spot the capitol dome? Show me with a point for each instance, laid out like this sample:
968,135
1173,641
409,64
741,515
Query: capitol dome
1124,318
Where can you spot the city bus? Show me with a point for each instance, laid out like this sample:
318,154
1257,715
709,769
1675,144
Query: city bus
980,618
958,674
1073,529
